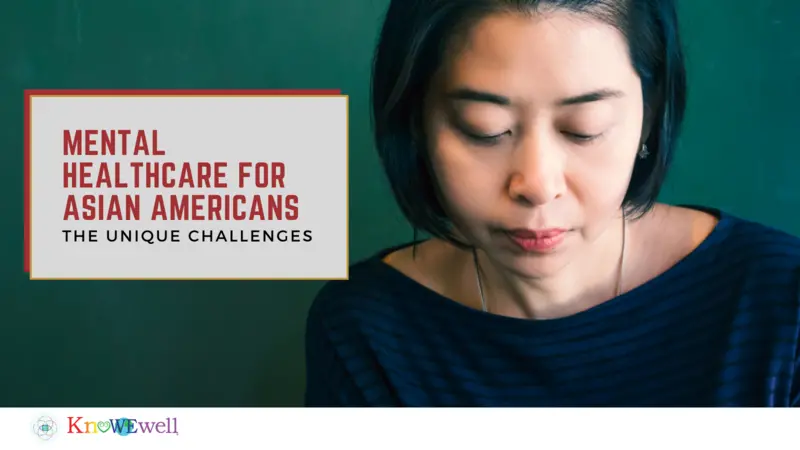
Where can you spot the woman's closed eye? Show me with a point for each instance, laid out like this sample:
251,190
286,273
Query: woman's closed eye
484,138
580,137
495,138
583,129
482,125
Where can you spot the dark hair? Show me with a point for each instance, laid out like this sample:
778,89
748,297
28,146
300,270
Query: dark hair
411,48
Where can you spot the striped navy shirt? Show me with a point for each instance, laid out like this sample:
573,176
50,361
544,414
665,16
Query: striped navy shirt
720,328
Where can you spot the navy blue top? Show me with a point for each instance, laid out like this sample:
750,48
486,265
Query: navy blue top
720,328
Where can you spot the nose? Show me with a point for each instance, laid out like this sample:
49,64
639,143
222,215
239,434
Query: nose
537,175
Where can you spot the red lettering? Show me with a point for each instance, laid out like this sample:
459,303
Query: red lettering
156,151
186,176
118,177
124,134
204,176
101,207
262,179
197,208
147,147
73,425
85,142
71,210
237,215
141,144
291,207
72,143
103,177
242,173
275,207
268,175
219,175
71,175
136,165
179,208
108,142
169,175
278,172
225,207
79,175
89,143
257,210
85,174
70,178
159,211
214,207
151,175
166,181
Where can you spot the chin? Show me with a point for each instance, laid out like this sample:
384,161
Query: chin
538,267
531,265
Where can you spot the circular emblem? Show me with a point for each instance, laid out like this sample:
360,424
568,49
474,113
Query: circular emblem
45,427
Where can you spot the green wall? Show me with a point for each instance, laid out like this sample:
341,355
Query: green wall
241,343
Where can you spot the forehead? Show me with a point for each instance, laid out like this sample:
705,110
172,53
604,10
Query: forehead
540,56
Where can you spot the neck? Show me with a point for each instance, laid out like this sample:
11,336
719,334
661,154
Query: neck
587,281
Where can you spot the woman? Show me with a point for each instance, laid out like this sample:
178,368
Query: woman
530,140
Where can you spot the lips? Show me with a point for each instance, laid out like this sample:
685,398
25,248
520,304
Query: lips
537,241
536,234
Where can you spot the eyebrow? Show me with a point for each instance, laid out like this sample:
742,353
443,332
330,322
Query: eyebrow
589,97
478,96
487,97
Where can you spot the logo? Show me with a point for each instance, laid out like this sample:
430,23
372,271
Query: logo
45,427
121,426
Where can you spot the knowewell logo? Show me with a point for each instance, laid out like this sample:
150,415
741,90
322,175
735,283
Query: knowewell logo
122,426
45,427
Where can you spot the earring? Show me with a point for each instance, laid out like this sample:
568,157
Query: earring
643,153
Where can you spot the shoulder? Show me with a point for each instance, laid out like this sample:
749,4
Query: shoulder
762,260
754,243
726,237
711,258
373,293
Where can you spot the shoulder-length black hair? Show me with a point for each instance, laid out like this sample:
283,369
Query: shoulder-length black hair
410,50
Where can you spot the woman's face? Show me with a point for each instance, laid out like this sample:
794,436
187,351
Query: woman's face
534,124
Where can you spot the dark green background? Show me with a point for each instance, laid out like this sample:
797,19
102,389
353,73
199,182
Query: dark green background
241,343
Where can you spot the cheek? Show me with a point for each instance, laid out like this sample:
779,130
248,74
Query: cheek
599,177
468,180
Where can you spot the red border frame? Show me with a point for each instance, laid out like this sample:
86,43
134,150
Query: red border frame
133,93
